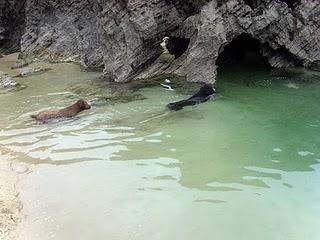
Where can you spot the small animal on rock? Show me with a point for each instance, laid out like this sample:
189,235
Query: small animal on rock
67,112
174,46
203,95
164,43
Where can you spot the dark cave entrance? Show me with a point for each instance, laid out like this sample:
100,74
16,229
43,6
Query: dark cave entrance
255,3
177,46
252,3
12,20
244,51
292,4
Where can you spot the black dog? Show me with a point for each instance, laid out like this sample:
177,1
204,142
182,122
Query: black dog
203,95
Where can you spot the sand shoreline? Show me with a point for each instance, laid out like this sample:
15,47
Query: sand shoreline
10,173
10,204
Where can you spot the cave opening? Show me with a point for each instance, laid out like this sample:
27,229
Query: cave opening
292,4
256,3
177,46
12,21
251,3
243,50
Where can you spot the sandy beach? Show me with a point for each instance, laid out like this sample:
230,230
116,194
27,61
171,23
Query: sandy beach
10,204
10,173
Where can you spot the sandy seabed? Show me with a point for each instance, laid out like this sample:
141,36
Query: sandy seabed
10,173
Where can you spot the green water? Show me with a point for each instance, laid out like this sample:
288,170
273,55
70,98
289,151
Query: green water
245,166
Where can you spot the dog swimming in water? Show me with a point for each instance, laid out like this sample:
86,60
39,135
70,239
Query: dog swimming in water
203,95
67,112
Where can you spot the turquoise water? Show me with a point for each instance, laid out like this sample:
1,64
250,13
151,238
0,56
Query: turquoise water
245,166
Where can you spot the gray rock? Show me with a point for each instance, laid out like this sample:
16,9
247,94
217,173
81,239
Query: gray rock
217,27
2,31
123,36
9,85
7,82
20,64
33,71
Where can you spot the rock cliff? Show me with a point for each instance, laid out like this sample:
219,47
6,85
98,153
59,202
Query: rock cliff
123,36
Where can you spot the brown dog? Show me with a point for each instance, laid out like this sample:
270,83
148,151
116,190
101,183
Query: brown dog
67,112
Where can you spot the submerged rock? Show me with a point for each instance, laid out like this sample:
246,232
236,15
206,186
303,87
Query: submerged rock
101,93
120,97
33,71
7,82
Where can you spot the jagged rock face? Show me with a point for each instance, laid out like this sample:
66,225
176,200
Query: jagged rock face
12,19
123,36
62,31
287,37
132,31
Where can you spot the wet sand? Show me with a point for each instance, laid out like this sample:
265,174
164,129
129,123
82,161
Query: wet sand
10,204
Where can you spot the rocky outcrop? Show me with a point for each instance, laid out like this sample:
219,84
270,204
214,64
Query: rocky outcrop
288,37
62,31
29,71
20,63
12,19
8,84
123,36
7,81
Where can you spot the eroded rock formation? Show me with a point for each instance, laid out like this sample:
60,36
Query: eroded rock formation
288,37
123,36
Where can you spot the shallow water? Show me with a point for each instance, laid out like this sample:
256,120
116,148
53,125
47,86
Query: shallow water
245,166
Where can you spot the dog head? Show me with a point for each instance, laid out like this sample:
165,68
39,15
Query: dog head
83,105
207,90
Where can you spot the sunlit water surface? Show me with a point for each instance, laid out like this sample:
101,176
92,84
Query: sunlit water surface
245,166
